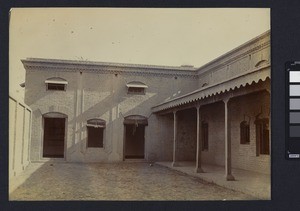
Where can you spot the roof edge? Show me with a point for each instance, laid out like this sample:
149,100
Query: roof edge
234,50
35,61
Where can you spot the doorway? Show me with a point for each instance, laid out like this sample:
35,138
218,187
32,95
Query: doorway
54,137
134,141
134,137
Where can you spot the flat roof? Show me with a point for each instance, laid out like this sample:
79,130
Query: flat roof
111,64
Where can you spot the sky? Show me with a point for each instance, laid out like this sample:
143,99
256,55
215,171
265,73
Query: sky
172,37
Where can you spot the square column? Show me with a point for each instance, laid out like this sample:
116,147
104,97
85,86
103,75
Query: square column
175,161
198,168
228,175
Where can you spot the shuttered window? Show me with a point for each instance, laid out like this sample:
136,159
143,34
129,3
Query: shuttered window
204,134
262,137
57,84
136,87
244,133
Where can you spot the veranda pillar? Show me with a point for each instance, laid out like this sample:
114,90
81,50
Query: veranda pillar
228,173
175,161
199,143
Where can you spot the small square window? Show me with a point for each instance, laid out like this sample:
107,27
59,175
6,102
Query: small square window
136,87
58,87
56,83
136,90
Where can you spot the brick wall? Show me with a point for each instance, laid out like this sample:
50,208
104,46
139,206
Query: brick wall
213,114
187,135
243,155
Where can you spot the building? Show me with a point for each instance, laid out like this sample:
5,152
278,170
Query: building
108,112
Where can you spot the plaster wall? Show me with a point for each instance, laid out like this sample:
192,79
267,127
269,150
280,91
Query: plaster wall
42,102
94,94
160,136
19,137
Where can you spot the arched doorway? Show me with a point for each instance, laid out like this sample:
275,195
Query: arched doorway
54,135
134,137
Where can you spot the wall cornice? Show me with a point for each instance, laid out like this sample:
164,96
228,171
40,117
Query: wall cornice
110,69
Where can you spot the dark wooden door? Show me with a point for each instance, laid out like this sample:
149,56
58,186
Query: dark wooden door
54,137
134,141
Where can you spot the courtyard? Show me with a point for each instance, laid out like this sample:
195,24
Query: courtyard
114,181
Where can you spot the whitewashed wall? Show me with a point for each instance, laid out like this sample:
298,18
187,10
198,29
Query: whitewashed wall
19,137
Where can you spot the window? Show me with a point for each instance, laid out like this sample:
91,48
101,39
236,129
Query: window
56,87
136,87
136,90
95,131
244,132
204,134
57,84
262,136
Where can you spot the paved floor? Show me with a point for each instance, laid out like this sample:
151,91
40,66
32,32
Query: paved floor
121,181
252,183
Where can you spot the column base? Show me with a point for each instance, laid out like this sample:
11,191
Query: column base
199,170
229,177
175,164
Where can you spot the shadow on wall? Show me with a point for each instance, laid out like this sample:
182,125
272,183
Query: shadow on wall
113,108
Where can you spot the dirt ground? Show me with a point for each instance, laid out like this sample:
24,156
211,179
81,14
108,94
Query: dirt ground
119,181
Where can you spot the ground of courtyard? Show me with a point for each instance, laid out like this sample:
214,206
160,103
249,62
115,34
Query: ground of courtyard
114,181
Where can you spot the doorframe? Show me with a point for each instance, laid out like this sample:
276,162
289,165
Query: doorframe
124,142
53,115
131,118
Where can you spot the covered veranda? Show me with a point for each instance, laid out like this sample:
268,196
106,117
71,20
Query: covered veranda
248,182
217,98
